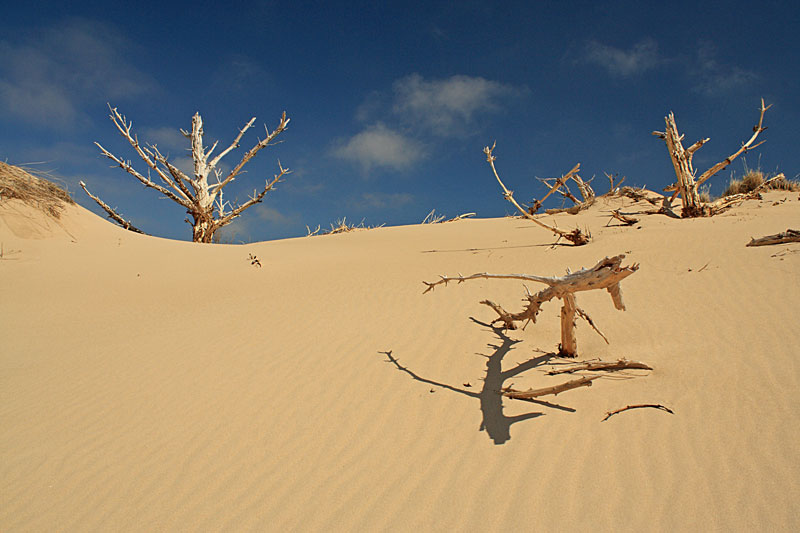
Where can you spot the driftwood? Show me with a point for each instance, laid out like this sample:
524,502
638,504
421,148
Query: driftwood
638,406
579,205
687,186
585,381
622,364
553,188
625,219
576,236
113,215
606,274
790,235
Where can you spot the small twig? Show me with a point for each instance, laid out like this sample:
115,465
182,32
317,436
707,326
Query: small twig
638,406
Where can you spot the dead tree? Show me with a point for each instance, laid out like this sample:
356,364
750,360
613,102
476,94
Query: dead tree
687,185
201,199
576,236
607,274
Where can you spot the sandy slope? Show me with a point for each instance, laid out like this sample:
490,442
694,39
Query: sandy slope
147,384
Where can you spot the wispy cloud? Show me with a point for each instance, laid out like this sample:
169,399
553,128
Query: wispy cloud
381,200
166,138
620,62
712,77
48,77
380,147
447,105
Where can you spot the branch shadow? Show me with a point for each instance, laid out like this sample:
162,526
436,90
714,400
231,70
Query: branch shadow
496,424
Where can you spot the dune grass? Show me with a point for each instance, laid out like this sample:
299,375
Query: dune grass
20,183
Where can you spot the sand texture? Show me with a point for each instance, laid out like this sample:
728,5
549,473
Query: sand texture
153,385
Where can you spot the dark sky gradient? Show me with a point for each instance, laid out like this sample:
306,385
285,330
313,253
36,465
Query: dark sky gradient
391,105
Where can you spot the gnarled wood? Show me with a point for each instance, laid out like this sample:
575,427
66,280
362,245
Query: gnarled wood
201,199
681,158
585,381
576,236
790,235
113,215
621,364
606,274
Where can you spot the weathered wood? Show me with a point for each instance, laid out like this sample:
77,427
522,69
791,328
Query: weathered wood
569,345
576,236
553,188
606,274
201,199
113,215
585,381
638,406
621,364
790,235
625,219
681,158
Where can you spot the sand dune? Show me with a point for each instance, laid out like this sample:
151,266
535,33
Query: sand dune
149,384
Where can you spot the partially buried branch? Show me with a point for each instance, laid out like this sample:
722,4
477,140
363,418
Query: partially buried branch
606,274
790,235
576,236
585,381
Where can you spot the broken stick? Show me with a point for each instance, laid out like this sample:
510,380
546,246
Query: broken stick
621,364
555,389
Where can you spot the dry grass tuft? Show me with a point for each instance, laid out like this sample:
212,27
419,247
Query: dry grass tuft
341,226
753,179
22,184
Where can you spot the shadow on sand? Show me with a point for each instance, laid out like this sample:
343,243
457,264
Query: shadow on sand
496,424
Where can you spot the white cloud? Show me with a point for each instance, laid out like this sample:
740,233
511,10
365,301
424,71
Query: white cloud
379,146
712,77
618,62
445,106
47,77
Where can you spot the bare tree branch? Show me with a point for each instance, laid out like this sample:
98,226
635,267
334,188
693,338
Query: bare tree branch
585,381
758,128
576,236
194,192
113,215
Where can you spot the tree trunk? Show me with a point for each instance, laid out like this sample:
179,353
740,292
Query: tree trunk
569,345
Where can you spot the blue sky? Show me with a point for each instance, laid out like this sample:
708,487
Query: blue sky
391,104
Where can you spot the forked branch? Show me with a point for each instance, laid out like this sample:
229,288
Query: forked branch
577,237
606,274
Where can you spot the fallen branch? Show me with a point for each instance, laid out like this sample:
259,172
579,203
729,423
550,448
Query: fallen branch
622,364
625,219
638,406
584,381
790,235
606,274
576,236
113,215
